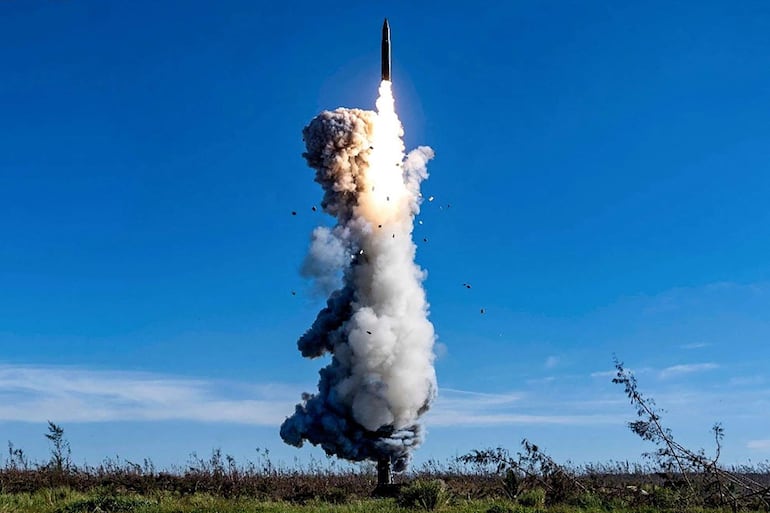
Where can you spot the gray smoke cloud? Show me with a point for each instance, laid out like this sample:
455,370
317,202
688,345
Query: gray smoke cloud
375,324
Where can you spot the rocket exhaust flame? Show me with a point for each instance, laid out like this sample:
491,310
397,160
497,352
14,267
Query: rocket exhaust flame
375,325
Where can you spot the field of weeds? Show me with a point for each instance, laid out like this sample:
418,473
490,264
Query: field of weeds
672,479
64,500
484,481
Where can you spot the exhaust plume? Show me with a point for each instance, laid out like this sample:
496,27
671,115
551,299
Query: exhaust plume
375,325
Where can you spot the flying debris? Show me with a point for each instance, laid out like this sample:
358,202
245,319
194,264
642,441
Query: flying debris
293,292
294,212
430,199
313,209
386,51
482,310
467,285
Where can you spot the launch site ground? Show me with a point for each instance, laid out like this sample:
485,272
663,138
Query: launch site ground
67,501
463,485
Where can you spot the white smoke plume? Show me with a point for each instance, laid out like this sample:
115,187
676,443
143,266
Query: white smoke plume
375,326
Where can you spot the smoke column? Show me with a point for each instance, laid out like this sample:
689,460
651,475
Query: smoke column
375,325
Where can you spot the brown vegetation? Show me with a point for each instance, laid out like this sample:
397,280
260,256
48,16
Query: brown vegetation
673,477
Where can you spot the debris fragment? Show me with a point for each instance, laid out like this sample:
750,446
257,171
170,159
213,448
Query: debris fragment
420,221
293,292
313,209
467,285
294,212
430,199
369,332
425,239
482,310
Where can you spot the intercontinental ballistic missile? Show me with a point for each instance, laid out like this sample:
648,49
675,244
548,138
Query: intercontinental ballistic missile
386,50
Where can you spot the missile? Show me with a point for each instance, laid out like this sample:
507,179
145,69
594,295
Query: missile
386,50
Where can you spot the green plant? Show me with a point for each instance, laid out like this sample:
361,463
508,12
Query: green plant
587,500
532,467
106,504
499,508
532,498
662,497
427,495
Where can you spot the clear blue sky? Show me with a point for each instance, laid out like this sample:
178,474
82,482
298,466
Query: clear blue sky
606,165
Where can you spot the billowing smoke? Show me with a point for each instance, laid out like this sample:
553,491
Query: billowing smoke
375,325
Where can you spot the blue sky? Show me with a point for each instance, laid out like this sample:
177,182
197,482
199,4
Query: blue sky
606,167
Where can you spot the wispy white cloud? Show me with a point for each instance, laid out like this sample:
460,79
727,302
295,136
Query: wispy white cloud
464,408
682,297
759,445
686,368
441,418
452,396
551,362
747,381
541,381
696,345
68,394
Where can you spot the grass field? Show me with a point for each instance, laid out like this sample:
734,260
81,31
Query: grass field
64,500
483,482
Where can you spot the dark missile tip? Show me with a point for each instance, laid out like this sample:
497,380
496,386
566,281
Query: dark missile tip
385,50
